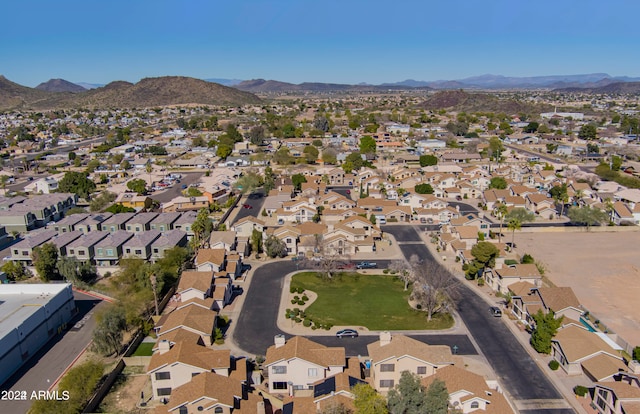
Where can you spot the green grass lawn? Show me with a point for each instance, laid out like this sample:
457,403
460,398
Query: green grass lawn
377,302
144,349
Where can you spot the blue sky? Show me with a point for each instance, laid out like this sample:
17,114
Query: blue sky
347,41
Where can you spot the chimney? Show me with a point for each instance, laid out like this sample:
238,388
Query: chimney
279,340
385,338
163,346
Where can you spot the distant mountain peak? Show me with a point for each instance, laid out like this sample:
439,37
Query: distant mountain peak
60,85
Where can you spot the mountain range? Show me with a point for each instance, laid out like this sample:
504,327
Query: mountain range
149,92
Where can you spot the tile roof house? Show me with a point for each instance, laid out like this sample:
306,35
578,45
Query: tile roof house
211,260
390,356
191,318
469,392
245,226
300,362
500,279
175,364
578,350
621,396
223,240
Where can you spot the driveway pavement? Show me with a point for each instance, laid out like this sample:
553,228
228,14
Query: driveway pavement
255,200
515,368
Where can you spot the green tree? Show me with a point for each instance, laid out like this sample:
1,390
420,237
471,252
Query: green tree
102,200
125,165
437,399
297,180
408,396
78,384
15,270
424,188
588,131
119,208
367,145
108,333
45,258
485,253
193,192
593,148
93,165
515,219
256,241
427,160
495,148
72,156
249,182
498,183
317,143
531,128
75,271
138,186
321,123
372,218
274,247
367,400
545,329
269,180
587,216
500,211
311,153
233,133
458,128
201,227
616,162
282,156
560,195
78,183
329,156
224,150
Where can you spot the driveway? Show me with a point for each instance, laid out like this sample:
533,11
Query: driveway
257,323
515,368
255,200
176,189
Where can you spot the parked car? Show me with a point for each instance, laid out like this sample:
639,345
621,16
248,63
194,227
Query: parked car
345,266
347,333
184,186
366,265
247,206
495,311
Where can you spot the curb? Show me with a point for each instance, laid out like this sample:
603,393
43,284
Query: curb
70,366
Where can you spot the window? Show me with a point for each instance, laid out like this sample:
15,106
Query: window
162,229
186,228
109,252
164,391
387,367
155,251
81,253
129,228
288,240
16,252
386,383
312,372
137,228
280,385
421,371
279,369
26,253
71,251
163,375
218,410
99,251
183,410
138,252
289,250
475,404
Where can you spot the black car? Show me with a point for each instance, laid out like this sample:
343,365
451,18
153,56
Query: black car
347,333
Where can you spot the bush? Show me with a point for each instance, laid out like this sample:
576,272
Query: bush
385,271
305,298
636,353
300,290
554,365
294,301
510,262
301,302
580,390
480,281
296,297
306,323
293,289
527,259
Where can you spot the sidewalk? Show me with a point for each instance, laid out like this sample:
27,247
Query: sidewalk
563,383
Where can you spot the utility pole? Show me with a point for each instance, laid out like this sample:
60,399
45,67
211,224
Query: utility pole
154,285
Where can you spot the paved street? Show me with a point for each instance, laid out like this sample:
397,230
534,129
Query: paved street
176,189
42,370
255,200
257,324
516,370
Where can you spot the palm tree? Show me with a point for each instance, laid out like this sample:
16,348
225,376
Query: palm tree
149,169
513,225
515,218
500,211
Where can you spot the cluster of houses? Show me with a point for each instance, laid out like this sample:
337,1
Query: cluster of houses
102,239
303,376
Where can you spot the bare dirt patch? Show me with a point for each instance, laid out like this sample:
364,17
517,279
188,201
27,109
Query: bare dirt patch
603,269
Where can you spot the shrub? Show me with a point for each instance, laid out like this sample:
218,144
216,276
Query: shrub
305,298
314,327
301,302
294,302
510,262
300,290
306,323
286,315
580,390
554,365
480,281
296,297
636,353
293,289
527,259
298,320
385,271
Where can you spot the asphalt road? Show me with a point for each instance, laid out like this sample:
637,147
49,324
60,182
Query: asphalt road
256,325
42,370
518,373
255,200
176,189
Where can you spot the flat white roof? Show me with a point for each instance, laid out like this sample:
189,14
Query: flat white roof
19,301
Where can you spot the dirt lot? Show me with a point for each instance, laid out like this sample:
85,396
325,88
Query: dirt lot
602,268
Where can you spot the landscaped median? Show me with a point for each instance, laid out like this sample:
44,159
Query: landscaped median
377,302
